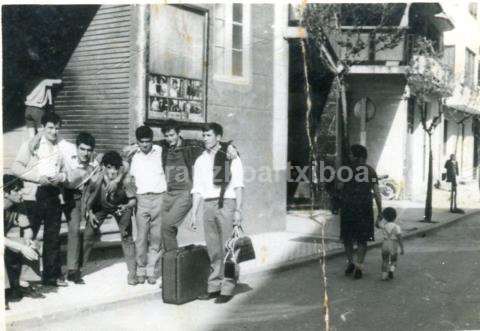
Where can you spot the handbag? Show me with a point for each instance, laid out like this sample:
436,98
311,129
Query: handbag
242,246
444,175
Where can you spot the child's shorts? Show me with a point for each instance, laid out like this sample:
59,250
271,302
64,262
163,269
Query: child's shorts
33,116
389,247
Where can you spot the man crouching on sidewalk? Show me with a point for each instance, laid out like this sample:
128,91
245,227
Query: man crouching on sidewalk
222,195
98,203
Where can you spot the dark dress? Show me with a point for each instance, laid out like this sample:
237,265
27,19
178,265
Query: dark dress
357,220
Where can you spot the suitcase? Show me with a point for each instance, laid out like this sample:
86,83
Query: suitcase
185,274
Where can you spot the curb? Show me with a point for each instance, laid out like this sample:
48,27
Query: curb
269,270
340,251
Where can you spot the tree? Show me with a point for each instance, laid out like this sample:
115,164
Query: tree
323,24
428,78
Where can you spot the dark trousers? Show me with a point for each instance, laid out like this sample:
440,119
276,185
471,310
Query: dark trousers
13,267
47,209
92,235
74,218
176,205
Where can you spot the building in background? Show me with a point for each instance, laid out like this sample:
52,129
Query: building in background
227,63
461,129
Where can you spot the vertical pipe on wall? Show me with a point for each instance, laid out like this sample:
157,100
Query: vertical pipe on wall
138,67
280,88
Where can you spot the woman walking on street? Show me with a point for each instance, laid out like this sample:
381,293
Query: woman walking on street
359,189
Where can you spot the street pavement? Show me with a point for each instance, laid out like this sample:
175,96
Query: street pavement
437,287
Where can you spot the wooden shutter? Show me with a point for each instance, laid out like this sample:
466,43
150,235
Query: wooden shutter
95,96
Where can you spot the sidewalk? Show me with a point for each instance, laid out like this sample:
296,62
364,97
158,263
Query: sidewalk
106,284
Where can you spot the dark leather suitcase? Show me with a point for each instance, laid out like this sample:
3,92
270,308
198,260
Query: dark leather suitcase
185,274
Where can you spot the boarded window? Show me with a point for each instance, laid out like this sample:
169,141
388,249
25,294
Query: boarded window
177,61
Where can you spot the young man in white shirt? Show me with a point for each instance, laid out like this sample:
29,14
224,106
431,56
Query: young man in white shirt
40,172
147,170
222,197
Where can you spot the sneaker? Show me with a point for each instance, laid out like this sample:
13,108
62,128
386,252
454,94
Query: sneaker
141,279
350,269
390,274
358,274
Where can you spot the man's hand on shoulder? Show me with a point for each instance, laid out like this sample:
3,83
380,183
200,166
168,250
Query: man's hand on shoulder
232,152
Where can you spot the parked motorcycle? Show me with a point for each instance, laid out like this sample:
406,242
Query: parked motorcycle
388,187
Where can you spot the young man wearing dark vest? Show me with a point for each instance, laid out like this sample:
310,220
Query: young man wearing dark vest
219,183
178,158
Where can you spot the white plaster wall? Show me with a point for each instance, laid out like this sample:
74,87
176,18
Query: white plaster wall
386,132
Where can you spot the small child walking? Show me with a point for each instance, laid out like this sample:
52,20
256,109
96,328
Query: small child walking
392,239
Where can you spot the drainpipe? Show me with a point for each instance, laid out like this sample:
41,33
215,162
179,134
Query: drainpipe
138,68
280,88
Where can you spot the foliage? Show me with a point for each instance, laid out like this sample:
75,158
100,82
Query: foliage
326,24
426,75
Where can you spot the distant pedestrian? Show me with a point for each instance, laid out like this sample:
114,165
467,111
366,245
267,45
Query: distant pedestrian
392,239
356,215
451,167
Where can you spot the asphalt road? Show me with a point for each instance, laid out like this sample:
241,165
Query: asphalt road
436,287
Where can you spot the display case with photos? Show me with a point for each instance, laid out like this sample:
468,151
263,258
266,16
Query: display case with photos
176,79
175,97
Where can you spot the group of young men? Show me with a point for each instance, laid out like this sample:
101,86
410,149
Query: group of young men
157,183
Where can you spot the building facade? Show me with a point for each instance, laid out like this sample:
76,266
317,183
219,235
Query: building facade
461,131
226,63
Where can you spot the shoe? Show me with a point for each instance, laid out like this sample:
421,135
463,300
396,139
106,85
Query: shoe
75,276
132,281
141,279
208,296
54,283
223,298
30,292
13,294
357,274
390,274
350,269
151,280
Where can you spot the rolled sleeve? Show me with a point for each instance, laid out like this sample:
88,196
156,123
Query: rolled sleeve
237,173
197,179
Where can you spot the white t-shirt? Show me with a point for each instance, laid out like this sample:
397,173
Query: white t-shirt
390,230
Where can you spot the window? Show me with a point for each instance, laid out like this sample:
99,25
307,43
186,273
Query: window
449,58
445,136
469,67
231,41
472,9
